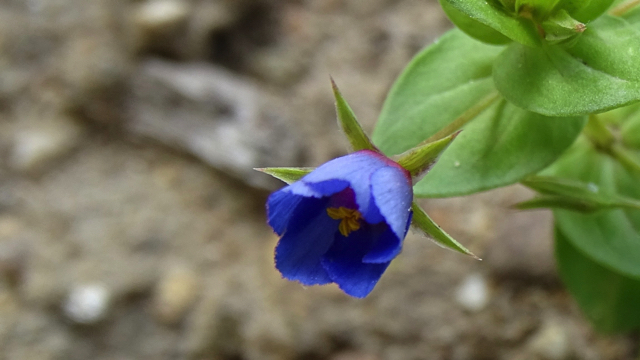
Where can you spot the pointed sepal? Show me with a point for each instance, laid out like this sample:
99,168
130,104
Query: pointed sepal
421,221
561,27
419,160
287,174
350,125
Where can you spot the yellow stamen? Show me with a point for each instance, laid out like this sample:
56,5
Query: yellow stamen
350,219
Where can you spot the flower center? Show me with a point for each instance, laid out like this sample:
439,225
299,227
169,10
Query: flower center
350,219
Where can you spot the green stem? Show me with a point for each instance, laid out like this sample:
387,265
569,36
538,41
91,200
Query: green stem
598,133
463,119
624,7
625,158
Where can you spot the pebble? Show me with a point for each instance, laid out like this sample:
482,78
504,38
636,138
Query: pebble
473,293
88,303
175,294
551,341
160,15
37,147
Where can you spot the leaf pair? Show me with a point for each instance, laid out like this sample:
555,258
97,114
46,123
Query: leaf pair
449,86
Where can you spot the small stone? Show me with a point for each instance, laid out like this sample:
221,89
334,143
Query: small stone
175,294
551,342
473,293
87,304
161,25
36,147
160,15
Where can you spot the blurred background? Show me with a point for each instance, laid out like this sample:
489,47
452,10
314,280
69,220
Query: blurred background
132,225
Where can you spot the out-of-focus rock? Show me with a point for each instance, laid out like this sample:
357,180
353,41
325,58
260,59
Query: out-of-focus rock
175,294
88,303
551,341
89,77
523,249
43,141
353,355
160,25
218,117
13,258
473,293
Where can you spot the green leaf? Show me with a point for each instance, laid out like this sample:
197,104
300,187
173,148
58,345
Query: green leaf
349,124
421,221
558,202
610,238
573,195
421,158
437,87
472,27
601,71
287,174
609,299
586,10
516,28
500,147
447,87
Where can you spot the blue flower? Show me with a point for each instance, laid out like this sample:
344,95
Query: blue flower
342,223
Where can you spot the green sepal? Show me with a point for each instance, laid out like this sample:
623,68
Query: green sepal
350,125
420,159
423,222
561,27
287,174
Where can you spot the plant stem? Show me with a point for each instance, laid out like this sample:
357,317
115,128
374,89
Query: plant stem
625,158
598,133
463,119
624,7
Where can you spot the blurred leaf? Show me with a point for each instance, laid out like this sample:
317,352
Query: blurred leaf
572,194
472,27
516,28
601,71
558,202
287,174
609,299
586,10
500,147
609,237
423,222
349,123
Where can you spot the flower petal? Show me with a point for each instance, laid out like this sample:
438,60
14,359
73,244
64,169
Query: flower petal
392,192
280,206
309,234
343,263
356,168
386,246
